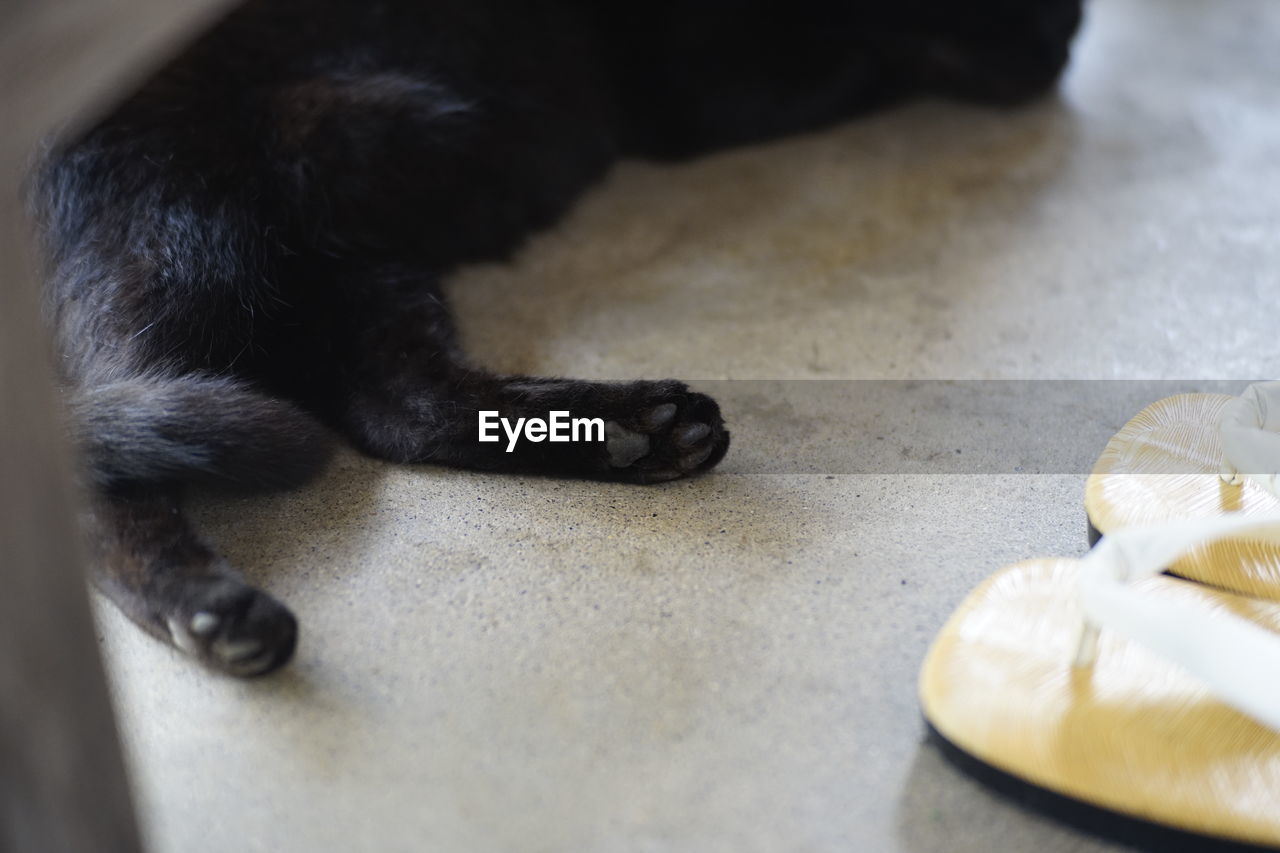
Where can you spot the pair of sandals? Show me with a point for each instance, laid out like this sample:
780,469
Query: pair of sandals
1136,692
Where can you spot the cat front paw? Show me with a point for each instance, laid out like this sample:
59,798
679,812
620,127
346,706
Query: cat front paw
672,432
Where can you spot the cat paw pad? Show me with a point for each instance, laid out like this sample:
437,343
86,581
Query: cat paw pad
681,435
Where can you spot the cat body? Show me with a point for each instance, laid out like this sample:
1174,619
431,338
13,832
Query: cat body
245,255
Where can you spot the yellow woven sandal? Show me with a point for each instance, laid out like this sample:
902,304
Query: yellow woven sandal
1138,706
1182,458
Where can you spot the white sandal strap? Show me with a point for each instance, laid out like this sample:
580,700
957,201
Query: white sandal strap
1250,430
1236,659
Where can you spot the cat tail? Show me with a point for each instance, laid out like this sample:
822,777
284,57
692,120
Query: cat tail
194,429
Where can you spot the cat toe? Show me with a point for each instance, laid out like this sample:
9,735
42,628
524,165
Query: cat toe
623,446
689,435
652,420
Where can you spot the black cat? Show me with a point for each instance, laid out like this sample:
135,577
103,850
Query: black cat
245,255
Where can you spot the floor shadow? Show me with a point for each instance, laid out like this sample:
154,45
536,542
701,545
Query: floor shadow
942,808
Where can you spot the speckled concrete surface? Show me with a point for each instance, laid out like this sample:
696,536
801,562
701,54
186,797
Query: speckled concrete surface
516,664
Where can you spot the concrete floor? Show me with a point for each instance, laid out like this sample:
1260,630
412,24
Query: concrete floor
516,664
